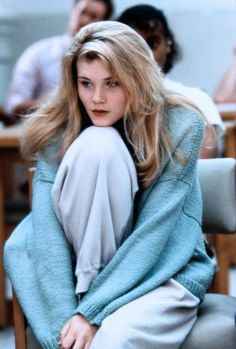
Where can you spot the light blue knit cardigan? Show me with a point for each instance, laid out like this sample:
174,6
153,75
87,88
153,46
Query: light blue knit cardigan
166,242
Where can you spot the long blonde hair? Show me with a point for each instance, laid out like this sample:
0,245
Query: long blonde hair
131,62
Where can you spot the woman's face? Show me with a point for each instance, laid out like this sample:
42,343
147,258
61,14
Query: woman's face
102,96
159,45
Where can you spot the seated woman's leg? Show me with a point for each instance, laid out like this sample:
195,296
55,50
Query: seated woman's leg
93,197
161,319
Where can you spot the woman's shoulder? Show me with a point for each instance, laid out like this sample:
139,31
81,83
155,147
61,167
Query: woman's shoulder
48,162
182,119
185,128
183,114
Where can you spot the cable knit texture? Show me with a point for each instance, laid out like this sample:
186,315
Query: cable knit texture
166,242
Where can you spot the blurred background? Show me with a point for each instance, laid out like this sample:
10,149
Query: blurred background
205,30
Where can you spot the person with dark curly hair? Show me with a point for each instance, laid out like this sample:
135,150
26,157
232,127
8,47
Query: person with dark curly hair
152,24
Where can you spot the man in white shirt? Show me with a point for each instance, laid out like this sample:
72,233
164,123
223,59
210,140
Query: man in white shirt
37,71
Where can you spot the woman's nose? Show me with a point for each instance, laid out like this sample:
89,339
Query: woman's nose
99,95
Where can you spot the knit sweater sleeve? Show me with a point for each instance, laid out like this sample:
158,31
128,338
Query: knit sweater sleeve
151,254
38,262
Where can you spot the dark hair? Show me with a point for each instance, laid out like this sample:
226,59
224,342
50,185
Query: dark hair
147,19
109,6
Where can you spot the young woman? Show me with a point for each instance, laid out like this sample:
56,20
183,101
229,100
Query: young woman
116,203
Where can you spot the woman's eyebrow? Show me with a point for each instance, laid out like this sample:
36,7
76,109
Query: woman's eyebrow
86,78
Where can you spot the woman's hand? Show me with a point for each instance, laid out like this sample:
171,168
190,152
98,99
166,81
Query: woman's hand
77,333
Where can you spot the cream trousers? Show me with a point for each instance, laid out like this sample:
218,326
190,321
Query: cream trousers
161,319
93,197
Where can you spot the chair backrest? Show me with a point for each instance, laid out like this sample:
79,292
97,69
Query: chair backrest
218,183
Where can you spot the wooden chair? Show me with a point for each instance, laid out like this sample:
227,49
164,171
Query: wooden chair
18,316
3,303
13,208
215,327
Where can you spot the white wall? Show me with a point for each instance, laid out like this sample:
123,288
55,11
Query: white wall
205,29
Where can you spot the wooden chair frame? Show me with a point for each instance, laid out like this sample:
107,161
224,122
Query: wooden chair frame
18,315
3,302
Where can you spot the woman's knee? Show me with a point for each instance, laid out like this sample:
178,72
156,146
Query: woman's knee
104,142
96,145
100,152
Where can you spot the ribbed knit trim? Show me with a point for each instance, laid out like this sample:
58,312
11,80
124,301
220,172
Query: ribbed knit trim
90,313
195,288
95,316
53,344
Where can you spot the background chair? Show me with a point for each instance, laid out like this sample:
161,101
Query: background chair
217,178
215,326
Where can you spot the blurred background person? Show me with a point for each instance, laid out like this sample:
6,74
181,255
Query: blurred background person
37,71
152,24
36,75
226,90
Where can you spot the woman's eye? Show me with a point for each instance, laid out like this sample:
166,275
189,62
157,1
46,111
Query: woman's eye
112,83
85,83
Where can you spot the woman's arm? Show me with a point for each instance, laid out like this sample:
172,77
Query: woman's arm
226,90
38,263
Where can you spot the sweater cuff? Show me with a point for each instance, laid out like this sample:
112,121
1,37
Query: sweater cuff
194,287
91,313
51,343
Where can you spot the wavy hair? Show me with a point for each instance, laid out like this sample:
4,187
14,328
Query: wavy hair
131,62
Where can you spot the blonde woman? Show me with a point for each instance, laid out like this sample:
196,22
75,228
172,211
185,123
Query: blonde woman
112,255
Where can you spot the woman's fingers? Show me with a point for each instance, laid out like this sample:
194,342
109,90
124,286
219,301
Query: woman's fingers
77,333
68,341
65,330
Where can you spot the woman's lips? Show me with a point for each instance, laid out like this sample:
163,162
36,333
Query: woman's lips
97,112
